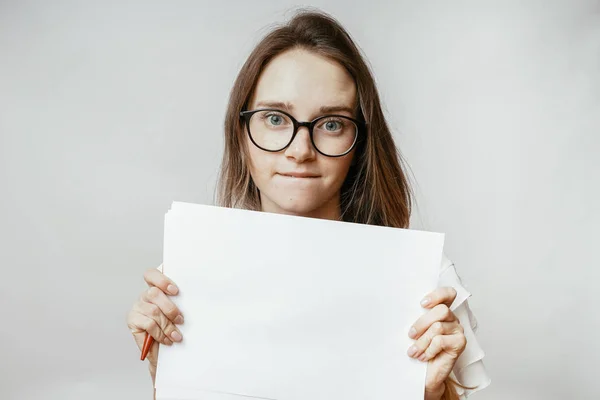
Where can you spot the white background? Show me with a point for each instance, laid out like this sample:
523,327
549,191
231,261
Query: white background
109,111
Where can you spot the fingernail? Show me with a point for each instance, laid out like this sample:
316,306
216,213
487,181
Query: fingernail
176,336
425,301
412,351
179,319
412,333
172,289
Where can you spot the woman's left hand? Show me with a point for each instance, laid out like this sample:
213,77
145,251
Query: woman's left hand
440,340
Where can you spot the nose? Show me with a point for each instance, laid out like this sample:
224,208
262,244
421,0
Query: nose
301,148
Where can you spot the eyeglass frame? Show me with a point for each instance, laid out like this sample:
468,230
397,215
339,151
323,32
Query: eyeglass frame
360,125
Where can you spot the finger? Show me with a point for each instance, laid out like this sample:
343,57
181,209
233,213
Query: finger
438,370
442,295
156,296
144,323
437,328
154,277
153,312
450,344
441,313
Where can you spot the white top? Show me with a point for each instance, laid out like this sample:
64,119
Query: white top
469,369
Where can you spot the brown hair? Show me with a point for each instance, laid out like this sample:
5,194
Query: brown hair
376,190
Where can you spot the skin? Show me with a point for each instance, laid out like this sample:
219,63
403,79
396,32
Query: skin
305,82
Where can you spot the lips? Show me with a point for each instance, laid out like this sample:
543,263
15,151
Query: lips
296,174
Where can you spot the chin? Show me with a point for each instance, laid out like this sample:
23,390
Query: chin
301,207
297,208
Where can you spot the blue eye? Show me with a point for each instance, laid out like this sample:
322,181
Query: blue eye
332,125
275,119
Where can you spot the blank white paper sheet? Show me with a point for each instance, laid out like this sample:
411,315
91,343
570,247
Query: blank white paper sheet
290,308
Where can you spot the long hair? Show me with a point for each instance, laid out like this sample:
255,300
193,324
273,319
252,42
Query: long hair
376,190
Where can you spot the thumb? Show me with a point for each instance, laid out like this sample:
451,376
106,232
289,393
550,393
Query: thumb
139,336
153,354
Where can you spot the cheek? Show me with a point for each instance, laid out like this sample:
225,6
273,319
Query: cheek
338,168
261,162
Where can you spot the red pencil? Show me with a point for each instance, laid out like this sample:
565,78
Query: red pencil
146,347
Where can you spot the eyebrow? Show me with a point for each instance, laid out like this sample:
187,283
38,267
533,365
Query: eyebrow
289,107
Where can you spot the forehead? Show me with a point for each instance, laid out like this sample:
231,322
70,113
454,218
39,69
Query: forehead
307,81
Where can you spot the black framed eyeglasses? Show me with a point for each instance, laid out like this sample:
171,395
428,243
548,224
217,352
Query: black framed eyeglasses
273,130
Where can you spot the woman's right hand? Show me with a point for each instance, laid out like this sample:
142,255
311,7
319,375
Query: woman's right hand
155,314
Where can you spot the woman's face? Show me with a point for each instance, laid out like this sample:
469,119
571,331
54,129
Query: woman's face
299,180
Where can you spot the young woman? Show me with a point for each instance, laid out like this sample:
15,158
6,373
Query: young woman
305,135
